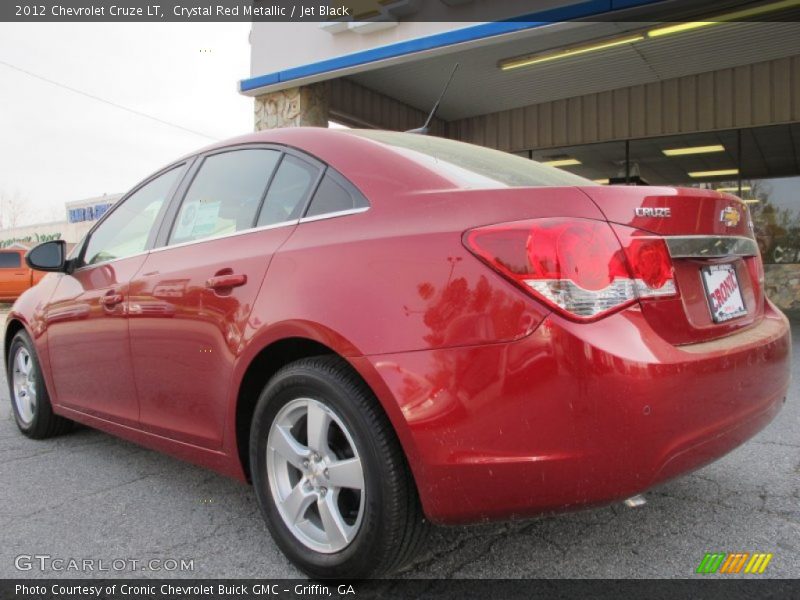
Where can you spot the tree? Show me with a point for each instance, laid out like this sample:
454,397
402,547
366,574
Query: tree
13,209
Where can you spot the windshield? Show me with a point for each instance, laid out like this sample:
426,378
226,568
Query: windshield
469,166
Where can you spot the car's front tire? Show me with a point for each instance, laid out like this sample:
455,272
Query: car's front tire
29,398
330,475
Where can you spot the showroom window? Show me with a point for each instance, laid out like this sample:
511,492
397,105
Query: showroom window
776,218
761,165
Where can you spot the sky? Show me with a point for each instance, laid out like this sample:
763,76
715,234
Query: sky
57,145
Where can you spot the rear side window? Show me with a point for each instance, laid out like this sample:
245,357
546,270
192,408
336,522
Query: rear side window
225,194
335,195
288,191
10,260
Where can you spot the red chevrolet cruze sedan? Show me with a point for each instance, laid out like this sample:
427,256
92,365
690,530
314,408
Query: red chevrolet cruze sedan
382,329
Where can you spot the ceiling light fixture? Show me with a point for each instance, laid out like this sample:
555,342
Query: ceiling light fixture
533,59
602,181
738,15
745,188
657,32
751,201
717,173
679,28
562,162
694,150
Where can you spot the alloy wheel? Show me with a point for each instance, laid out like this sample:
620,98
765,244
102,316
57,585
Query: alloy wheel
23,379
315,475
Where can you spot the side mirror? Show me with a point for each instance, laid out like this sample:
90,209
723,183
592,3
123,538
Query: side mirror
49,256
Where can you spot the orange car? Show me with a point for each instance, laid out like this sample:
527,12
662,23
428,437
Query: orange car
15,275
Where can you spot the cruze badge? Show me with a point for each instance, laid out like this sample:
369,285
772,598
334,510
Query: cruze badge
647,211
730,216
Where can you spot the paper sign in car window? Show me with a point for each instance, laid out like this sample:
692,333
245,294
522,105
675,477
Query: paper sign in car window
183,229
205,221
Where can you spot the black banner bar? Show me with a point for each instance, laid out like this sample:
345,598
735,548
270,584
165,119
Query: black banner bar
393,10
461,589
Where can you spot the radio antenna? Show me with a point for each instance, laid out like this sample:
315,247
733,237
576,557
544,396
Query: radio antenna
425,129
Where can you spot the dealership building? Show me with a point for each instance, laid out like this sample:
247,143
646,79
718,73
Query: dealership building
79,218
606,89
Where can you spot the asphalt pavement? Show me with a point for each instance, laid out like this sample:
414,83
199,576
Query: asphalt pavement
91,497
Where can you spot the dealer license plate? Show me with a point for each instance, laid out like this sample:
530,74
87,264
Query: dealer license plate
723,292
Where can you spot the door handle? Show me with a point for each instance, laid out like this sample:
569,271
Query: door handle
226,281
111,299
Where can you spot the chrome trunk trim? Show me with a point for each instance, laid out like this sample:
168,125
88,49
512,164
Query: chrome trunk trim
710,246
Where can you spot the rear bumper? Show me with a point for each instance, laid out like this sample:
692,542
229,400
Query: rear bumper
576,414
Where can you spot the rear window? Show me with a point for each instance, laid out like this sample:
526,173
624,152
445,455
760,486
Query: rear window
470,166
10,260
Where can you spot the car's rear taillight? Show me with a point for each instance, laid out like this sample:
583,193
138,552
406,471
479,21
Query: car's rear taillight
577,266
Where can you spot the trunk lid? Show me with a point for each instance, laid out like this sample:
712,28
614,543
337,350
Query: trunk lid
714,255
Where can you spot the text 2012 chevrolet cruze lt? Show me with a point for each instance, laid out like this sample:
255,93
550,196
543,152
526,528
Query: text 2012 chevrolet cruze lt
382,329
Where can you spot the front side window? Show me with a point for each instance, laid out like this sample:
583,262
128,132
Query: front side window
10,260
225,194
127,228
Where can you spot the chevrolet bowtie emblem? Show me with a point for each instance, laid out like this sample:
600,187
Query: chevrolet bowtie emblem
730,216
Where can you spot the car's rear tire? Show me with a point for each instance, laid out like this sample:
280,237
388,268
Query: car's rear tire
320,437
29,398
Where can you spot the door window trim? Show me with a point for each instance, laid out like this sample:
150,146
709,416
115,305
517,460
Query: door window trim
335,214
223,236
